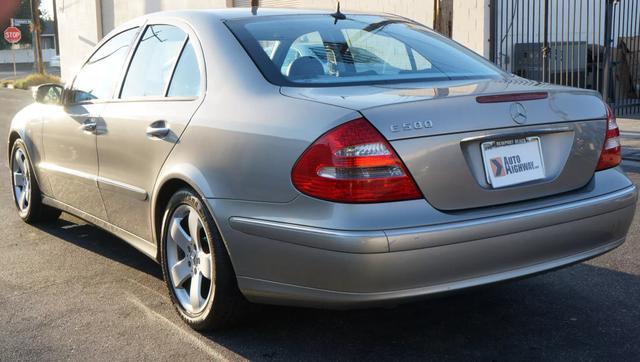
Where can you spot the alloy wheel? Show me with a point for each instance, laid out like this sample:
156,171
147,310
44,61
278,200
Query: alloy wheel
189,260
21,181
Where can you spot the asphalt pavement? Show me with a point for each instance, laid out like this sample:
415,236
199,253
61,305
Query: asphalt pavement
69,291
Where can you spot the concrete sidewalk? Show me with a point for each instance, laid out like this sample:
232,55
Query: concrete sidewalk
630,137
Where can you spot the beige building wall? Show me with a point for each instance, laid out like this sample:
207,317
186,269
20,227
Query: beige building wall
79,29
418,10
116,12
471,19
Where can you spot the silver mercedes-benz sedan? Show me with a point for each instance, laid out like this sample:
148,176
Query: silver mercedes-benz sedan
319,159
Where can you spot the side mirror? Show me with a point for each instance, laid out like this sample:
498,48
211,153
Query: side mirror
48,94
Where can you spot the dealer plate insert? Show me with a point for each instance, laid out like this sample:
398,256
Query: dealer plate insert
514,161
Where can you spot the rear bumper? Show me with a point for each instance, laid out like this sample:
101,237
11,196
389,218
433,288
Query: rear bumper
289,264
269,292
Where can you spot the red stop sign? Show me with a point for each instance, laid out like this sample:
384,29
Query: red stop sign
12,34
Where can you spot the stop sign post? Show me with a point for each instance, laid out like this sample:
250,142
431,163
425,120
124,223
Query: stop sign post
13,35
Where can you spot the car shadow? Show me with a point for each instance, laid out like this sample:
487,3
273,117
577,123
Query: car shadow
98,241
582,312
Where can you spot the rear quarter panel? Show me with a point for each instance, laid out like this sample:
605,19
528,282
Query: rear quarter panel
245,148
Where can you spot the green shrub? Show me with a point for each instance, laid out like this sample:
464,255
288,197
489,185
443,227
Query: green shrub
35,80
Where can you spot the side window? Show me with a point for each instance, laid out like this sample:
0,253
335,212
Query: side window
382,54
270,47
292,55
421,62
98,77
307,45
155,57
186,79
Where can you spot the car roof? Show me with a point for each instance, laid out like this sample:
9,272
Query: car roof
241,13
206,15
238,13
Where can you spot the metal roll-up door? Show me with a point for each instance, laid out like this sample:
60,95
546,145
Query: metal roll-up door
269,3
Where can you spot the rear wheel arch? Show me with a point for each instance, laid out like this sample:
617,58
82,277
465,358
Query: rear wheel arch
163,195
166,190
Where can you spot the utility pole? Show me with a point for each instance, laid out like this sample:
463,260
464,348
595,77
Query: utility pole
545,45
493,41
37,46
436,15
606,77
55,23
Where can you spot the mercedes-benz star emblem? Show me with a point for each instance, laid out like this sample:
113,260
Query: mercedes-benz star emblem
518,113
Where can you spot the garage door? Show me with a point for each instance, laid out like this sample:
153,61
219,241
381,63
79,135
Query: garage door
269,3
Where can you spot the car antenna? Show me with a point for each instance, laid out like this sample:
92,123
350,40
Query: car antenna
338,15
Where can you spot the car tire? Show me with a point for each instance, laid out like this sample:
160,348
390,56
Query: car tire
220,303
26,192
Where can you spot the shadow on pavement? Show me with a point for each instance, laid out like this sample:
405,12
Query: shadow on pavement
583,312
102,243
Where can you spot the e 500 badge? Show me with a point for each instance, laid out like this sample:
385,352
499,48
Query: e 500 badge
410,126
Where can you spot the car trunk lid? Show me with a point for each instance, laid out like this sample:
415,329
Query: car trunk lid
439,131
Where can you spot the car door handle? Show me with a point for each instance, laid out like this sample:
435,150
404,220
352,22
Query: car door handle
90,125
158,129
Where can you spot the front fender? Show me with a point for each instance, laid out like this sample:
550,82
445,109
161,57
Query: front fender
27,124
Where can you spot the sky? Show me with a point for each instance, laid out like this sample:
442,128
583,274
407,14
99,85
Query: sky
47,7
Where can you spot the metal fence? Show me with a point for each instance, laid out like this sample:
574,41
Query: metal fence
592,44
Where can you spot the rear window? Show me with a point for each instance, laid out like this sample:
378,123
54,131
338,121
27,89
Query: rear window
317,50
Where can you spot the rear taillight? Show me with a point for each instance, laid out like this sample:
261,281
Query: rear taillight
353,163
611,155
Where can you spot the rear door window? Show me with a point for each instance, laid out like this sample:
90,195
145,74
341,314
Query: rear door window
153,62
186,78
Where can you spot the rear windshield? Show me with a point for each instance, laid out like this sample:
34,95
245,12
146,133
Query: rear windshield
317,50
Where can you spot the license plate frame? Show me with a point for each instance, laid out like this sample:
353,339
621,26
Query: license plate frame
504,152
